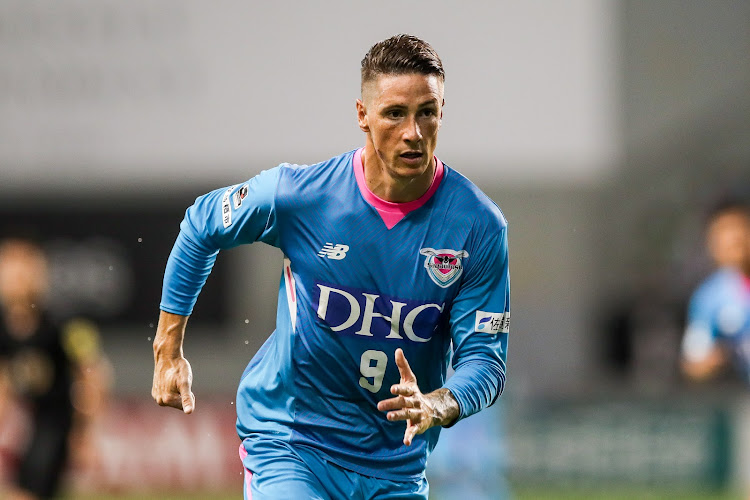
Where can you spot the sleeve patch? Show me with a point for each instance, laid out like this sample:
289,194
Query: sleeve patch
239,196
226,212
492,323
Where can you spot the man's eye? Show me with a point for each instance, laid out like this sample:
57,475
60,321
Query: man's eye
428,112
394,113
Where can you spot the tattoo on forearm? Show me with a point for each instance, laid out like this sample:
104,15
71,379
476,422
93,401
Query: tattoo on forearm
446,407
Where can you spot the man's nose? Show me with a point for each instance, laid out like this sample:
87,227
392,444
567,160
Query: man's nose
412,132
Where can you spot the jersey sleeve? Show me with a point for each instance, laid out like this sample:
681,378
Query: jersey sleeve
700,333
221,219
480,324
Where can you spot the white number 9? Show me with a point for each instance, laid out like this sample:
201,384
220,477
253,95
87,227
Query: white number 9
375,372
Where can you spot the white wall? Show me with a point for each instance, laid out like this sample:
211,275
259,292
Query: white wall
123,98
104,94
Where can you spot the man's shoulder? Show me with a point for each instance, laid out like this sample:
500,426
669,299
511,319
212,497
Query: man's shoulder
303,184
722,279
716,287
471,202
330,166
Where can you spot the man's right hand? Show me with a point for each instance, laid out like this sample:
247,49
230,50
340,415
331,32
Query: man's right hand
173,376
172,381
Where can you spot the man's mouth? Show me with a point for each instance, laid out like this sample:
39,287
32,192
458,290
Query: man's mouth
412,155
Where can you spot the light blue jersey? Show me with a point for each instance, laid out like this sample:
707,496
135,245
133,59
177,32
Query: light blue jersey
361,277
719,311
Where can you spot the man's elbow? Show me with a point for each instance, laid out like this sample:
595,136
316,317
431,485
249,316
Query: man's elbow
500,385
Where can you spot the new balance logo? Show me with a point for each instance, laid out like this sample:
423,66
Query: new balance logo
336,252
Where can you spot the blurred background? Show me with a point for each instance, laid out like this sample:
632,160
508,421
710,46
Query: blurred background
604,129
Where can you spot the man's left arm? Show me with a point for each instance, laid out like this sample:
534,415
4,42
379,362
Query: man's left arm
480,320
480,324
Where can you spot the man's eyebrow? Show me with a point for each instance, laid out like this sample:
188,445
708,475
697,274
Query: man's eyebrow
392,106
429,102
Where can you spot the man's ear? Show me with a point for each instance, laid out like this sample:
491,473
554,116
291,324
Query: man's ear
362,116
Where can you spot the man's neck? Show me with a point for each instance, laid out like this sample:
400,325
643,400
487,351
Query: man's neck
389,188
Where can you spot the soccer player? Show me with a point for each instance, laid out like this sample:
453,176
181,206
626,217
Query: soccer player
55,371
718,330
390,259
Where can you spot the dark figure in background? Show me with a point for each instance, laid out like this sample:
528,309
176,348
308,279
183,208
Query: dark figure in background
55,373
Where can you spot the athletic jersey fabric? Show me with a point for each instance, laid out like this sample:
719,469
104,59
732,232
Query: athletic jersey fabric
719,311
39,368
361,277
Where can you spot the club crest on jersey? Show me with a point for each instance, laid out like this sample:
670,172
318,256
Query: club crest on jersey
444,266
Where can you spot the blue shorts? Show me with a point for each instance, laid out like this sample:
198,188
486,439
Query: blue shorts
283,473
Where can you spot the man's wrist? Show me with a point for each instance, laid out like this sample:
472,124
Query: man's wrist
167,346
169,336
445,407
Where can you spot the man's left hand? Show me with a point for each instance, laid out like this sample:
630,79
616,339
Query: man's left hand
421,411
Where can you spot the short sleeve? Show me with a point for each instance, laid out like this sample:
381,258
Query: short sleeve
700,334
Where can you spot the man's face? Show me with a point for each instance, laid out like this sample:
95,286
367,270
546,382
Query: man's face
729,239
23,273
401,115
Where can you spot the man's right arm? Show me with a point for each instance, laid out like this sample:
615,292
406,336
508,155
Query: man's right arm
706,367
173,376
703,356
221,219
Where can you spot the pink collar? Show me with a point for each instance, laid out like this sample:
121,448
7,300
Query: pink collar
391,212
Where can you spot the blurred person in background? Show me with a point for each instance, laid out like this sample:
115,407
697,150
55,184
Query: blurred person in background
471,461
55,373
718,324
389,255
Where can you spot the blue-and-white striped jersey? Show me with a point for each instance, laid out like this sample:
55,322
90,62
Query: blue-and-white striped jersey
719,311
351,292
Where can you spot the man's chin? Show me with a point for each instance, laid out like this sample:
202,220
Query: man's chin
408,169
